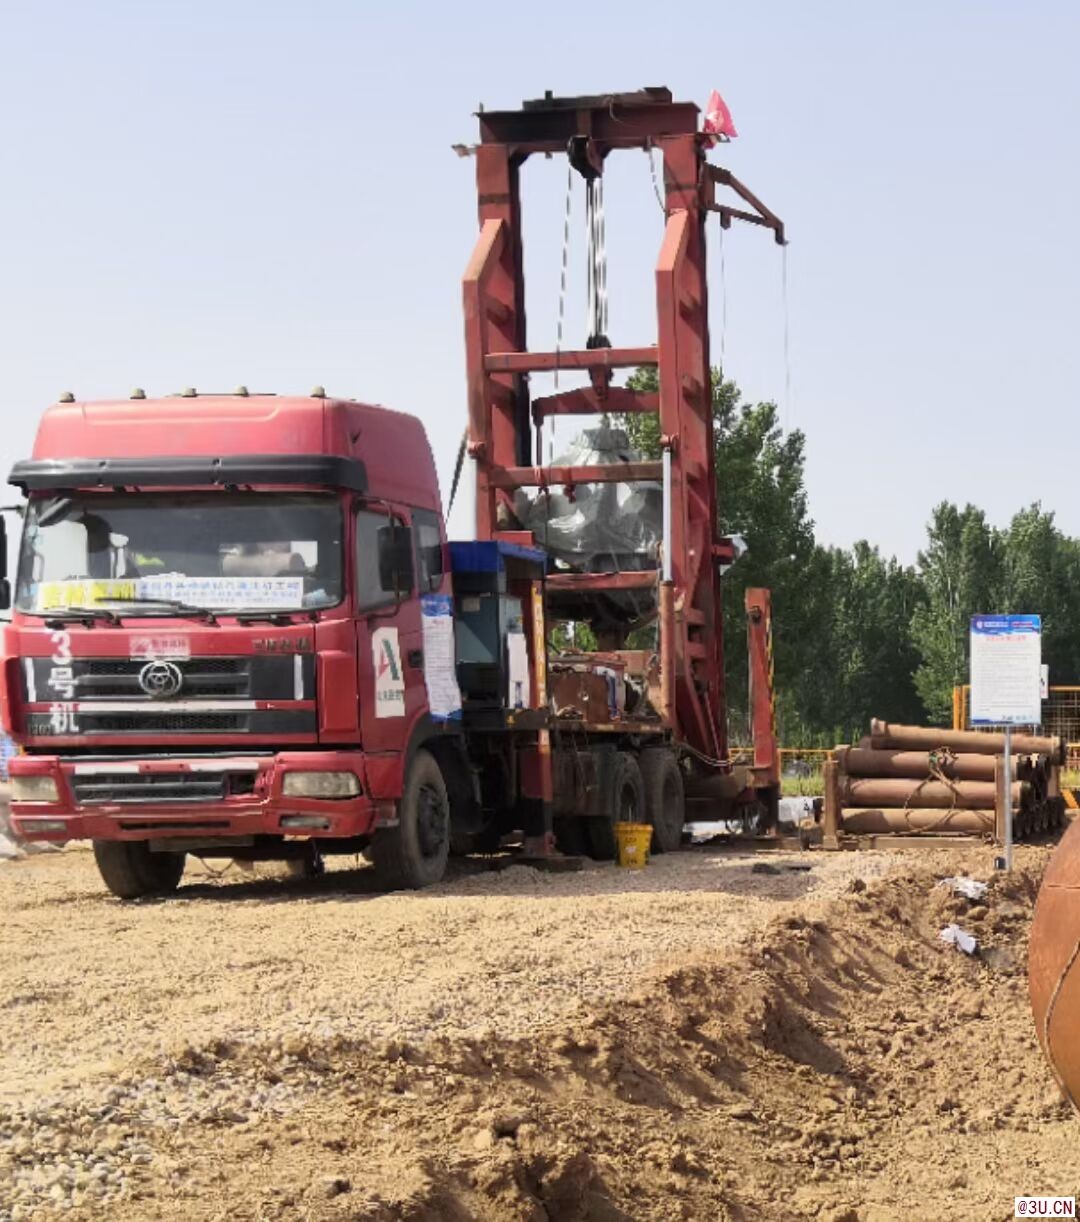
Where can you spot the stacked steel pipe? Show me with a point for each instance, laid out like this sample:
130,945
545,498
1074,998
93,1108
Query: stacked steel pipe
918,780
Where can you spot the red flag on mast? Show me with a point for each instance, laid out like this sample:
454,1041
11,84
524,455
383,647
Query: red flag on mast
718,122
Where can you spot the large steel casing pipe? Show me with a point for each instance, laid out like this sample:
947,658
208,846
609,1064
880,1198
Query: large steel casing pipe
896,791
889,820
918,765
1054,964
927,738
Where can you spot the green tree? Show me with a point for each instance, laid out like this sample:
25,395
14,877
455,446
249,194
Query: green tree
962,572
1042,577
872,657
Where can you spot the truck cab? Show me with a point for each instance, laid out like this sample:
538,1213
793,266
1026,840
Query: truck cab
217,640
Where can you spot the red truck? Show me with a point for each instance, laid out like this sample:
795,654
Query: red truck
239,629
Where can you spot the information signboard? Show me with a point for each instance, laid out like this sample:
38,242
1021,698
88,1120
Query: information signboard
1006,658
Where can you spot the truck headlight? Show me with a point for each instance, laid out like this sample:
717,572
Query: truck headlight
321,785
34,789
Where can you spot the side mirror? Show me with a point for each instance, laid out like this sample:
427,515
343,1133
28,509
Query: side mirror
395,559
5,584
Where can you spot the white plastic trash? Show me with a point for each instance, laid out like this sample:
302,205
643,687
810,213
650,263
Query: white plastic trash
969,888
955,936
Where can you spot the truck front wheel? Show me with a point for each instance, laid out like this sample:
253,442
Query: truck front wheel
131,871
413,854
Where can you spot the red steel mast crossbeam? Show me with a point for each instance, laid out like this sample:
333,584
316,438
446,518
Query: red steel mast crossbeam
550,477
586,358
611,120
590,403
643,579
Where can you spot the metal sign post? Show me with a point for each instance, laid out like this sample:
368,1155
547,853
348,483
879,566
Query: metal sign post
1006,797
1006,661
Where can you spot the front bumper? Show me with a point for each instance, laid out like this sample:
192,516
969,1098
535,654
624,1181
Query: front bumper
202,796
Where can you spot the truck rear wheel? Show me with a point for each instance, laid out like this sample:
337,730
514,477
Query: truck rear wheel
665,802
413,854
131,871
626,804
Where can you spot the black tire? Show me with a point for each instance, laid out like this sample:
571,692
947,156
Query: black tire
413,854
665,801
626,804
570,837
762,817
131,871
484,843
311,865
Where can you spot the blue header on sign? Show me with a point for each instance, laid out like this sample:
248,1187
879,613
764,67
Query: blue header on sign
998,625
436,604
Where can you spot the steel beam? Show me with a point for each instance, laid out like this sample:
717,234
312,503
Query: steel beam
588,582
550,477
585,358
589,403
715,176
617,120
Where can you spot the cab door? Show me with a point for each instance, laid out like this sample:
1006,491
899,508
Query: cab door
390,658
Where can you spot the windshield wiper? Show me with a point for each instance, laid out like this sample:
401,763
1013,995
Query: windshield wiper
84,615
255,616
172,604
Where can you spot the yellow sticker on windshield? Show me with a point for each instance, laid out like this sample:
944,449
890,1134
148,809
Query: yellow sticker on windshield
63,595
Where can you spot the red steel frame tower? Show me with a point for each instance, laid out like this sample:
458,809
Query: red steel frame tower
502,413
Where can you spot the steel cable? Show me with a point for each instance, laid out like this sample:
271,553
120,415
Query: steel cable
596,303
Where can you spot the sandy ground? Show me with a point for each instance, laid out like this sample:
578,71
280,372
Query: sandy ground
700,1040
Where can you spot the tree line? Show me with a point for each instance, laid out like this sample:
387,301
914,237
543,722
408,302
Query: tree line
858,634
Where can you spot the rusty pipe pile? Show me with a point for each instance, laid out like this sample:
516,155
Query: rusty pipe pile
923,781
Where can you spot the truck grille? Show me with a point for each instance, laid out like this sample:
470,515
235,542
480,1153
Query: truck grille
102,787
178,723
158,719
103,677
254,677
153,787
214,695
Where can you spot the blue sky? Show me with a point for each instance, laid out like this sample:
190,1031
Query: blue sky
263,193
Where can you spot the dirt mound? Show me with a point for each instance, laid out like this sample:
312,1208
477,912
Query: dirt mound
842,1064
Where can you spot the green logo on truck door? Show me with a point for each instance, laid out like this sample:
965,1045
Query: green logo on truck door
388,662
389,681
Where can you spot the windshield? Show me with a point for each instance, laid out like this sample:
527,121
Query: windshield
225,551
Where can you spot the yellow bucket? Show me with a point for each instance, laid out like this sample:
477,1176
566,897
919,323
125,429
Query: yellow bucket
633,840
